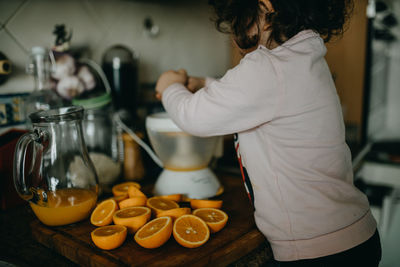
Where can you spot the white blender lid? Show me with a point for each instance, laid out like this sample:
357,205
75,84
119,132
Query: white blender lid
161,122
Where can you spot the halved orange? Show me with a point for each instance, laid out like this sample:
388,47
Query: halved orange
109,237
119,198
132,202
205,203
157,204
132,217
220,191
173,197
190,231
216,219
122,188
133,191
185,198
174,213
154,233
103,213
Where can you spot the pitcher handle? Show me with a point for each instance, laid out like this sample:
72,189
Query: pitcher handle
19,160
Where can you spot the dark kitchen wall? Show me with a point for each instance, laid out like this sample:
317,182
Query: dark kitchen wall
393,102
366,73
383,109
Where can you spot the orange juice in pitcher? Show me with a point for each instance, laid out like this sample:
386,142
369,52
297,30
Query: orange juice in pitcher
53,170
64,206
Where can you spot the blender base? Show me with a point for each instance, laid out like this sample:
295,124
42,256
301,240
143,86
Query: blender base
197,184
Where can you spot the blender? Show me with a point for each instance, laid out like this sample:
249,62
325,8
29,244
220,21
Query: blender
185,159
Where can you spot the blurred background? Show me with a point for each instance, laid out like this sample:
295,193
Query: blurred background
135,41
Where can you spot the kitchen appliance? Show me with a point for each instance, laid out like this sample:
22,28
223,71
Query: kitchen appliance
120,66
185,159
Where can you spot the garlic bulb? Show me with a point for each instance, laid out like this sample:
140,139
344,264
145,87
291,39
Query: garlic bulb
86,77
70,86
65,66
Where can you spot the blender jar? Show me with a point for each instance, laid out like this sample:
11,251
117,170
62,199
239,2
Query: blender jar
178,150
185,159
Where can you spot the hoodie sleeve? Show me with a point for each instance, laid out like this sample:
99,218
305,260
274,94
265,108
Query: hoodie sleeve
246,97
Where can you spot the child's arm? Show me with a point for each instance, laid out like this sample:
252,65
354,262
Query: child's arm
168,78
195,83
246,97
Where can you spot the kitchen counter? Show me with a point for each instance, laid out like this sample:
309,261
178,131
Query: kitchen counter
18,245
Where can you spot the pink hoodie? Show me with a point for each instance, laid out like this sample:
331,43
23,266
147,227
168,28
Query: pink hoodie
283,105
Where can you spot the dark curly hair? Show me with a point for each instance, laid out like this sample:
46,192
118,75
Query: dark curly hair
326,17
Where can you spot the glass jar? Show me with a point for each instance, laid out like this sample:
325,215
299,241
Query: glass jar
102,138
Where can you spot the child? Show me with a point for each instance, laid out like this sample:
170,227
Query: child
282,105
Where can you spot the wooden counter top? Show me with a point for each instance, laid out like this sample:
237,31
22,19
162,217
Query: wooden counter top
236,242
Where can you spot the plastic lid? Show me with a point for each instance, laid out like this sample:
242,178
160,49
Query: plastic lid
120,52
161,122
94,102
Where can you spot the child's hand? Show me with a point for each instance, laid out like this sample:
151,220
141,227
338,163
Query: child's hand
168,78
195,83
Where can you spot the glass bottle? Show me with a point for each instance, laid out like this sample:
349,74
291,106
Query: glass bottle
42,97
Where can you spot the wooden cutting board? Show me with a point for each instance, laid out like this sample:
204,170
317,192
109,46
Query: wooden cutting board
239,237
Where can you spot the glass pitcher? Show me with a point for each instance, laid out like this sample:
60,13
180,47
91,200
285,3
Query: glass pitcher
52,168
